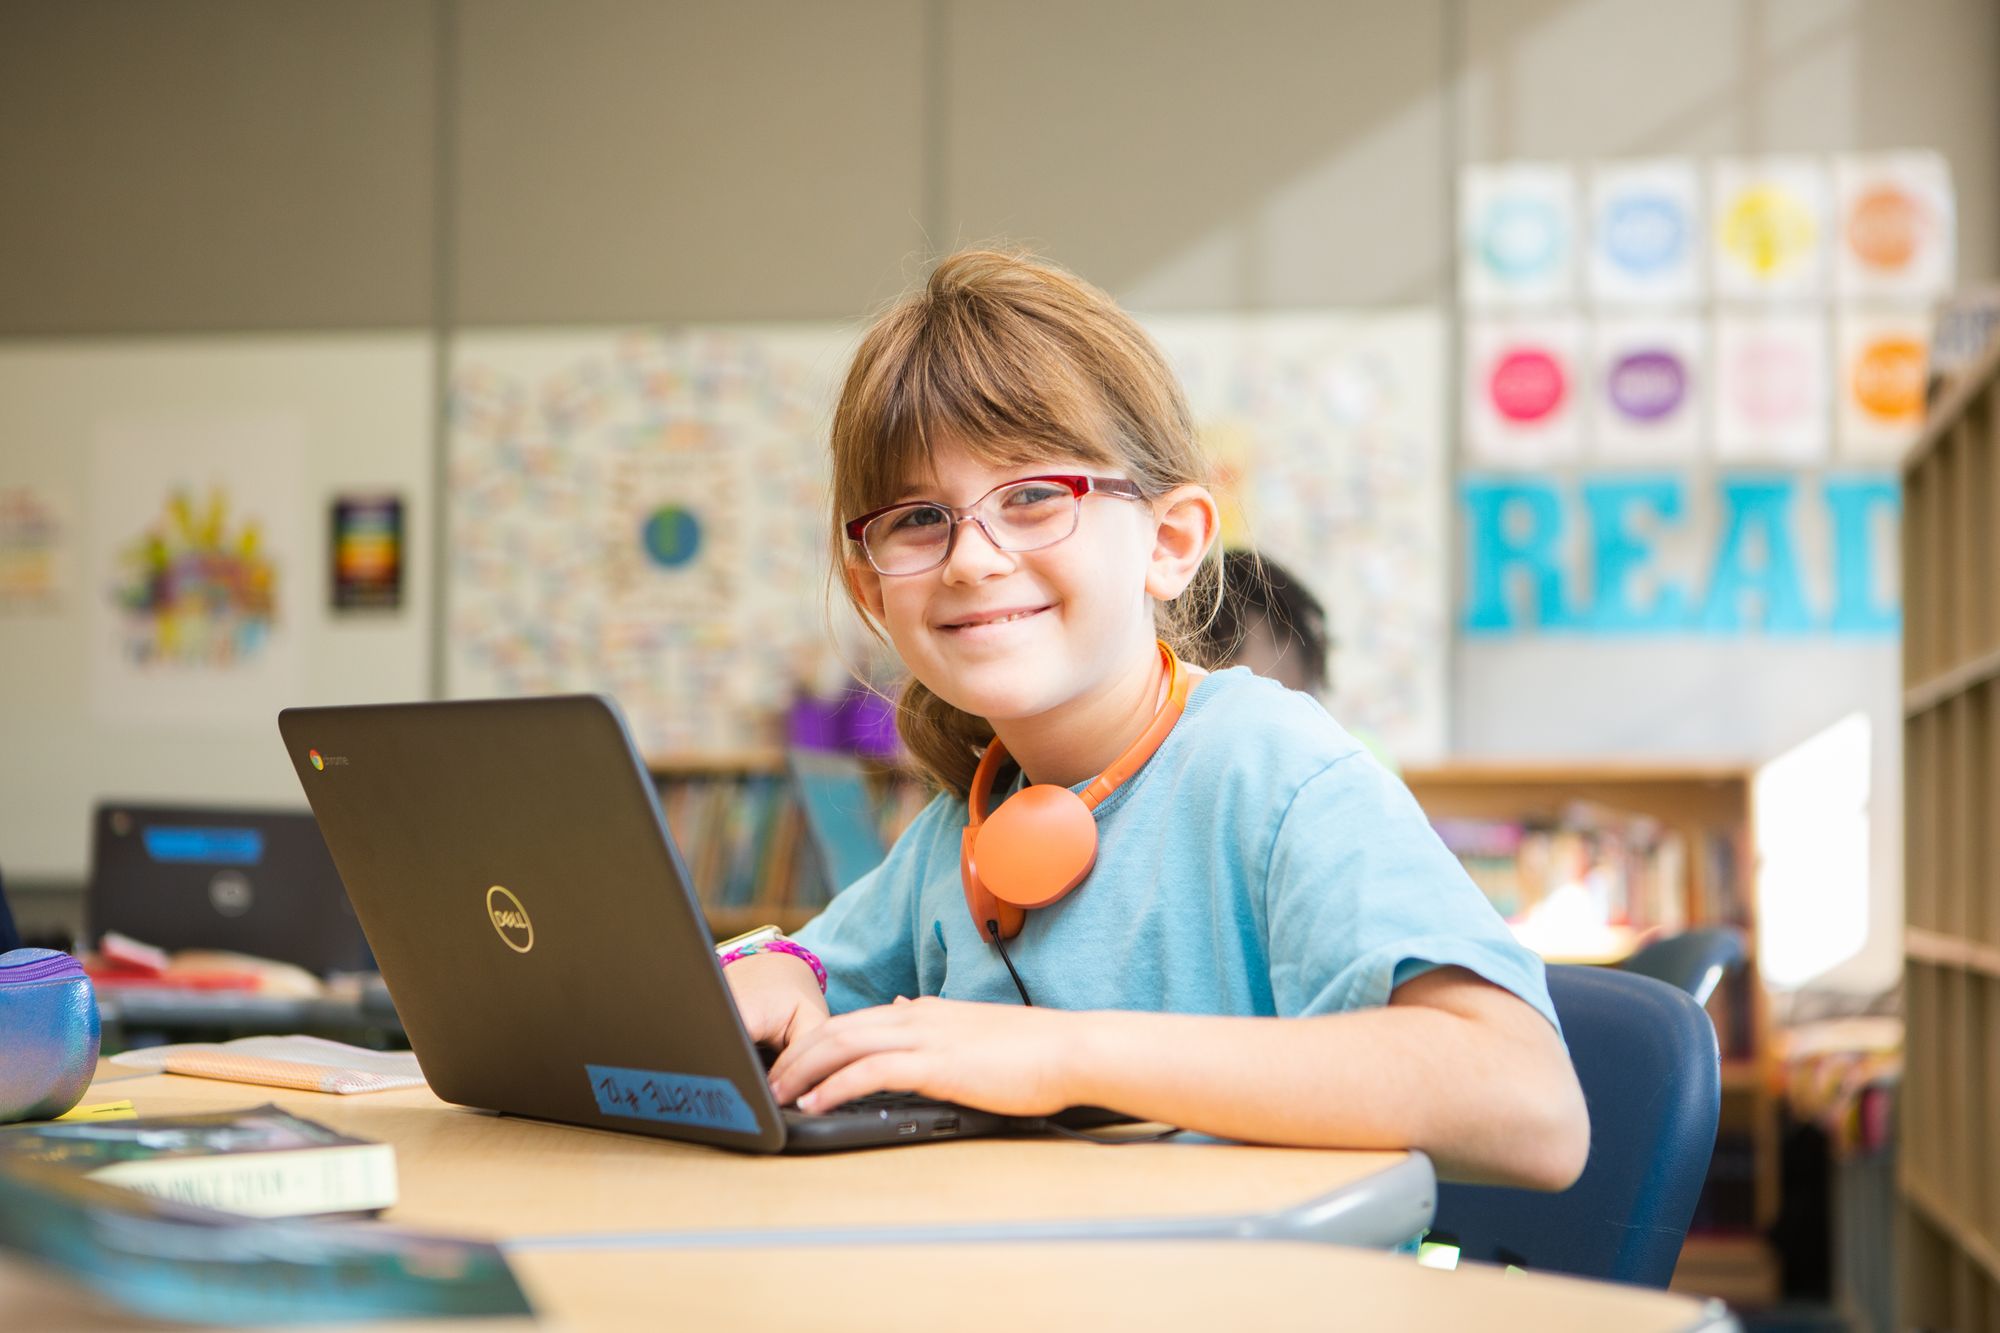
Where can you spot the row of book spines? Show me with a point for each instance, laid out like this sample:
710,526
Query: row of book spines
1649,886
741,837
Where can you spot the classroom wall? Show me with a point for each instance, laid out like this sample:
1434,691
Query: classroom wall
197,167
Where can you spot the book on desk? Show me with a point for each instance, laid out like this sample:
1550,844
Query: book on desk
259,1162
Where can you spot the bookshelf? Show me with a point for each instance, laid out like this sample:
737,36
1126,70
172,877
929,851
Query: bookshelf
1680,834
737,822
1948,1178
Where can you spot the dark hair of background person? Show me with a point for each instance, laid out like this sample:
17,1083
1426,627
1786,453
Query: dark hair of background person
1269,622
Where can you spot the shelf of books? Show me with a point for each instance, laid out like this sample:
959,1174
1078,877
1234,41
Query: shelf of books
1949,1176
738,823
1589,860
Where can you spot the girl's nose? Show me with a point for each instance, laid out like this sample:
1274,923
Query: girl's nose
973,555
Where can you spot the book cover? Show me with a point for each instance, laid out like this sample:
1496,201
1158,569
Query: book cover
173,1261
263,1162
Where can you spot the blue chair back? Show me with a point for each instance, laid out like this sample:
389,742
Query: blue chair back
1693,960
1645,1054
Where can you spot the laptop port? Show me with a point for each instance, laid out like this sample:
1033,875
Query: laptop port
907,1127
945,1125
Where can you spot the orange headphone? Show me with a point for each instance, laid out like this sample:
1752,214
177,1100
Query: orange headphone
1042,842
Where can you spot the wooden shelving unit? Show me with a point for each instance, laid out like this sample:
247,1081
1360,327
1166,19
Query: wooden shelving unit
1949,1174
1703,803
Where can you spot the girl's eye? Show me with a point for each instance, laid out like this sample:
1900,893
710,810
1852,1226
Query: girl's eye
1035,493
923,516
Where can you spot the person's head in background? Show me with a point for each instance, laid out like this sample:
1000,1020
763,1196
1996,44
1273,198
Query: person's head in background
1268,622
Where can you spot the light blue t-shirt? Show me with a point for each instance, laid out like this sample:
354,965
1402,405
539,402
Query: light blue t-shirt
1261,863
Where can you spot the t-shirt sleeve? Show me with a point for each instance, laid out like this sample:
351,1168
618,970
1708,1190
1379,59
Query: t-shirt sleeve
866,938
1361,896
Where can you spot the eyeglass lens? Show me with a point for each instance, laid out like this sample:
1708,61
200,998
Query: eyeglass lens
1021,517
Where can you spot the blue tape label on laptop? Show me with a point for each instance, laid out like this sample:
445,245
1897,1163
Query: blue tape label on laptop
675,1099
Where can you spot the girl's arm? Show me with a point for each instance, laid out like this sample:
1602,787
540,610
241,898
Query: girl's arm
1452,1065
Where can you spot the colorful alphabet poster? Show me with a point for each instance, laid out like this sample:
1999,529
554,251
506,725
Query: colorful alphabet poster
1517,234
1646,233
643,513
1883,370
1771,388
1768,227
1898,237
1525,389
1328,433
198,558
31,551
1647,387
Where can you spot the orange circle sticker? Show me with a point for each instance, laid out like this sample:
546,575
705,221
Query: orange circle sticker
1885,227
1888,380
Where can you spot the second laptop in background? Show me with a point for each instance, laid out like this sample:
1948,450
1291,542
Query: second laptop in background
256,882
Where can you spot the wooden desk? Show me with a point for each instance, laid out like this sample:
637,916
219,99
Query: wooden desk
1096,1288
483,1175
478,1174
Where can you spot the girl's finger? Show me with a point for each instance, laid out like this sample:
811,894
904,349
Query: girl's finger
826,1049
822,1030
888,1071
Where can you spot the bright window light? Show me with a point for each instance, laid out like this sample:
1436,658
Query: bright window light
1811,817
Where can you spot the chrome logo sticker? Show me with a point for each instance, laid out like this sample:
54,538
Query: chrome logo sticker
510,920
318,762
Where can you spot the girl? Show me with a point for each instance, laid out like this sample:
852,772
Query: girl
1271,945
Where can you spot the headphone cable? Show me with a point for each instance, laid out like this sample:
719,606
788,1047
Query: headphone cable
993,929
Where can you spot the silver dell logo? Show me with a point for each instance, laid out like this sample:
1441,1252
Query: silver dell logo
510,919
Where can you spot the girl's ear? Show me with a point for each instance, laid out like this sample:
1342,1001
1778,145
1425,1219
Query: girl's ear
866,587
1187,521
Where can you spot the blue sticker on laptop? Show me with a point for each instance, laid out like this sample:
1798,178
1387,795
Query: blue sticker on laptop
674,1099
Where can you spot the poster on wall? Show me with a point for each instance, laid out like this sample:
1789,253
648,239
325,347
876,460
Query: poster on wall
1517,234
1897,230
1523,390
643,513
366,553
1771,387
198,568
1328,435
1883,368
1645,233
31,551
1768,228
1646,390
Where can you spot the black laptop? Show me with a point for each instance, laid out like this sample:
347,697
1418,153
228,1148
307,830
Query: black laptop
214,877
538,932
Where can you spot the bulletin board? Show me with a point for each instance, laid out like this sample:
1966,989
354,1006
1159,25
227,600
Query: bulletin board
165,566
642,512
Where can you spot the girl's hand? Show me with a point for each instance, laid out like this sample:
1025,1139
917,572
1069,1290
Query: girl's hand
778,997
997,1057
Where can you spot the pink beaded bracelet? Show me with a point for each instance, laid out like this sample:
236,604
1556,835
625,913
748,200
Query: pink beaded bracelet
798,951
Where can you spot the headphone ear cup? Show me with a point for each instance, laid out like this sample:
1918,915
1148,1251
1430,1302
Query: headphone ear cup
1037,847
980,901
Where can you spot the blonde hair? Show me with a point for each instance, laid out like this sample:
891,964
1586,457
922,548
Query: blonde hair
1016,361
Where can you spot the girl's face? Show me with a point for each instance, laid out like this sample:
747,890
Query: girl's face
1014,636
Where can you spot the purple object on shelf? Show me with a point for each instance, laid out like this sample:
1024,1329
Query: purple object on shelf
814,724
868,725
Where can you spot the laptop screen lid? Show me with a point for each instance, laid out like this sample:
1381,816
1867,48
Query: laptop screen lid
217,877
531,916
